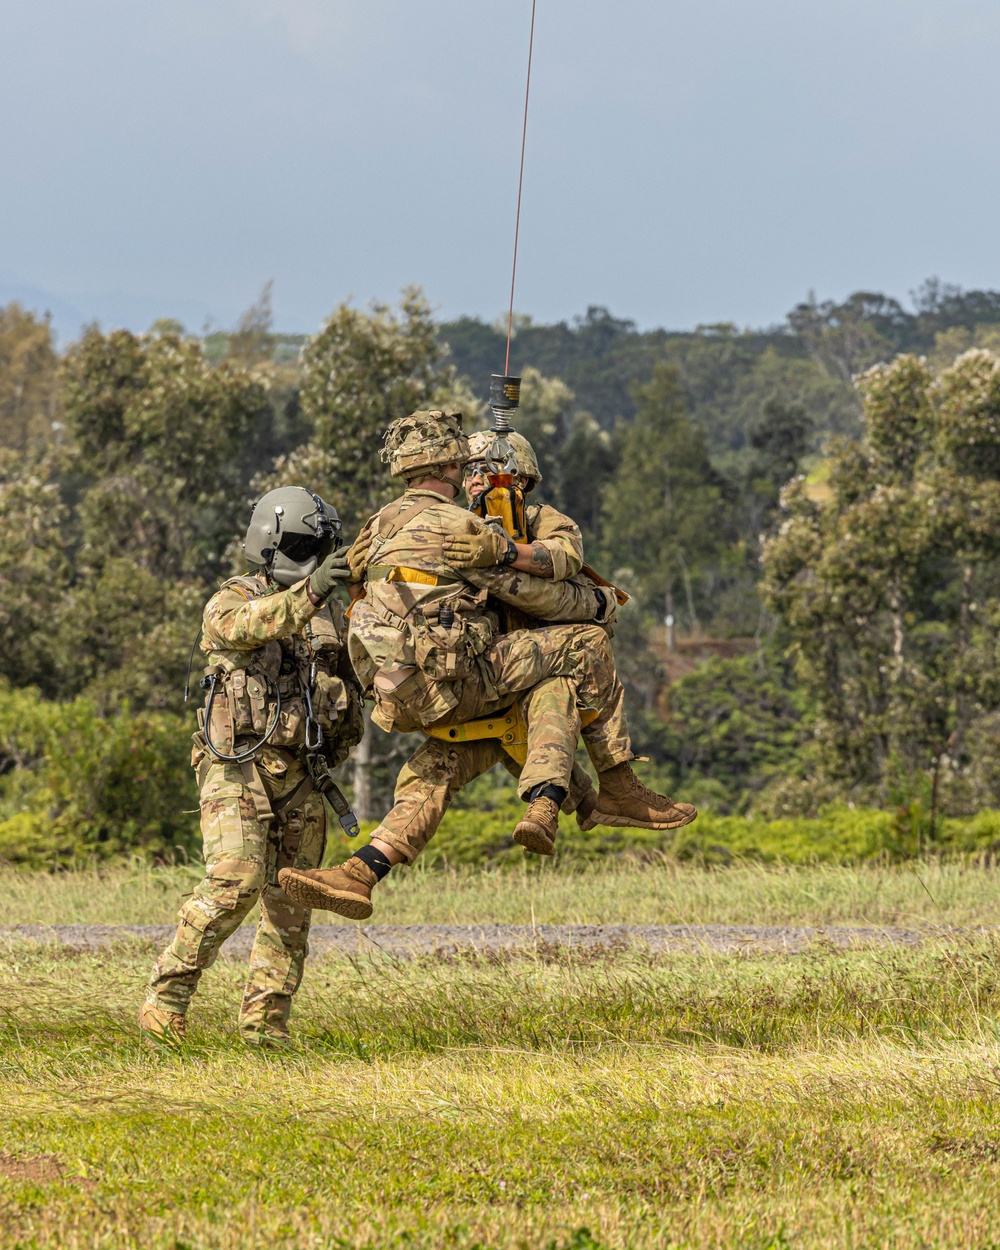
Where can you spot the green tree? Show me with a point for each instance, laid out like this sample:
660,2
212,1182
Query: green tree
728,377
29,401
887,587
157,435
253,340
154,460
740,723
778,444
664,514
360,372
576,456
34,569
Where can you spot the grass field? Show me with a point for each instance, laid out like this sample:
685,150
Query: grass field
962,892
611,1099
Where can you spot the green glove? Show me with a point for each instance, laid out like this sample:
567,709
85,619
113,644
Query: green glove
481,550
334,570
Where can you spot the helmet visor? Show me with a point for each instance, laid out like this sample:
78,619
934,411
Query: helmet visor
301,548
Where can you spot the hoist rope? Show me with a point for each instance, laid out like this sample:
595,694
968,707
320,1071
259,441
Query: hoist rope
520,181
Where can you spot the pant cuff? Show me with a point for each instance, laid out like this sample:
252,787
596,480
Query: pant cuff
399,842
603,757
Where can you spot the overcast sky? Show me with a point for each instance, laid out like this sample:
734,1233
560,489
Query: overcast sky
688,160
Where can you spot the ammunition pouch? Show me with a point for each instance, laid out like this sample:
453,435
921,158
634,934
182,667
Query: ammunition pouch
349,729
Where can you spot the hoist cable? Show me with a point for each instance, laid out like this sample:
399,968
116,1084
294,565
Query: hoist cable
520,181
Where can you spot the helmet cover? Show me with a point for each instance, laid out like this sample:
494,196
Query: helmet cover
424,440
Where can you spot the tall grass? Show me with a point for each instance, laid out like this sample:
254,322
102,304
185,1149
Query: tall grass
959,892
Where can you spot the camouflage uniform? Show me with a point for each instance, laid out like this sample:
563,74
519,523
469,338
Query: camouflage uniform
428,645
560,536
263,814
437,771
424,674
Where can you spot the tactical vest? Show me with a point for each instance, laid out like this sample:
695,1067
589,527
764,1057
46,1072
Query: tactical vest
444,635
289,686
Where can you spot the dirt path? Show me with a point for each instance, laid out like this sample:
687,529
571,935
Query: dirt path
404,941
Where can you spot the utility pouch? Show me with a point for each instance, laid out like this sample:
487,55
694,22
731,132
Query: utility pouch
348,730
414,703
220,725
291,729
449,654
249,691
246,695
330,697
199,748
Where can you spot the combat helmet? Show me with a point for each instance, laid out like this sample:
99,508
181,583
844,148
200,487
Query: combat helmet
524,454
422,441
291,530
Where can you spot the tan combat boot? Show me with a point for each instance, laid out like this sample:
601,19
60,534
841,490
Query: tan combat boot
624,801
162,1028
346,889
536,830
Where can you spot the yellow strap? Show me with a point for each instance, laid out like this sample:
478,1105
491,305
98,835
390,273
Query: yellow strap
400,573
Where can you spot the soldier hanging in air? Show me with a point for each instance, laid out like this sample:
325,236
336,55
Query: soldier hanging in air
423,641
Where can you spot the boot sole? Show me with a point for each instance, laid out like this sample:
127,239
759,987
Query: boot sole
322,898
598,817
534,839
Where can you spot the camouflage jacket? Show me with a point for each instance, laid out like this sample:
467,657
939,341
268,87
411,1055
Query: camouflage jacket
264,644
559,535
409,579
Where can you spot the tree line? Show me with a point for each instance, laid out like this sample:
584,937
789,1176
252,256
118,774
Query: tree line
823,490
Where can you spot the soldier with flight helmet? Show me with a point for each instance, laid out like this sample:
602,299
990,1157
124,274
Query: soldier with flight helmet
282,708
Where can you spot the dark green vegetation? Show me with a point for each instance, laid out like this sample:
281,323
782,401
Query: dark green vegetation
824,1100
835,648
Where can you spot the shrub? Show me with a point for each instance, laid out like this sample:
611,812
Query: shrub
75,785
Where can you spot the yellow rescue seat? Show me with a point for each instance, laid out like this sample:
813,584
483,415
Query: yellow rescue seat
510,727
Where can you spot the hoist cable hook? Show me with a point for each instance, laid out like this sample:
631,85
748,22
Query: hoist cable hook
520,181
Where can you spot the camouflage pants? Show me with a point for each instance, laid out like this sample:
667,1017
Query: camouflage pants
555,671
243,855
433,775
562,668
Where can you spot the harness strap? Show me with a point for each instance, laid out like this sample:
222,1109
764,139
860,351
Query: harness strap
388,617
258,791
267,810
390,525
291,801
402,573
